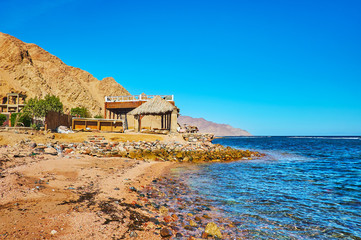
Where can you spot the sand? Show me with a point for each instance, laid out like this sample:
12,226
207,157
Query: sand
71,197
12,138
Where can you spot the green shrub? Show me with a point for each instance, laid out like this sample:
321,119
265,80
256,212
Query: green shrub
2,119
35,126
98,116
20,119
40,107
80,112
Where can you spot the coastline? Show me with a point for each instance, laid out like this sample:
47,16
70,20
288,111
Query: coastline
67,195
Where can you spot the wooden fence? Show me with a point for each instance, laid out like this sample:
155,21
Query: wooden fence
55,119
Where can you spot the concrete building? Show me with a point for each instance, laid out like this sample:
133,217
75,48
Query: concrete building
12,103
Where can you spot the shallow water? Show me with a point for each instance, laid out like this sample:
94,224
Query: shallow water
305,188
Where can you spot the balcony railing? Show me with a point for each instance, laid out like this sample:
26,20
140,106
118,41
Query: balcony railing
136,98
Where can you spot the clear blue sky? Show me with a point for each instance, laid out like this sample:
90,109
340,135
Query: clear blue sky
275,67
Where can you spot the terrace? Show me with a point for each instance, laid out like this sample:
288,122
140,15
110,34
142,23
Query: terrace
137,98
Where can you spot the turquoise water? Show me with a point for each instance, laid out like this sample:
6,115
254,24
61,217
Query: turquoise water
305,188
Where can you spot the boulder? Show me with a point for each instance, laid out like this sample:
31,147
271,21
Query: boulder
51,151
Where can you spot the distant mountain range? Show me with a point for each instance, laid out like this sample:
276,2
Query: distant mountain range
217,129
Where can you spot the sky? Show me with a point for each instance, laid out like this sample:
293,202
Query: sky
275,67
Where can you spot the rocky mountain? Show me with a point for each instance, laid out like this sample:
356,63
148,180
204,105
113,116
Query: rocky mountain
27,68
217,129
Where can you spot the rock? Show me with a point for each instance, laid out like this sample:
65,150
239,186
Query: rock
166,232
51,151
53,232
206,216
213,230
133,235
204,235
150,225
168,219
188,227
175,217
67,151
192,223
178,235
163,210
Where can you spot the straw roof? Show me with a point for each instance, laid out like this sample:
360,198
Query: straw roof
155,106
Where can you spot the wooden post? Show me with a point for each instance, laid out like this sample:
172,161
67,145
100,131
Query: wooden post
139,123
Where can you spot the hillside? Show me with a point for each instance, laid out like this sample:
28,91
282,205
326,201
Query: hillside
217,129
26,68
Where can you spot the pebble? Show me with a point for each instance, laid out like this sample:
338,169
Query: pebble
133,235
163,210
166,232
192,223
206,216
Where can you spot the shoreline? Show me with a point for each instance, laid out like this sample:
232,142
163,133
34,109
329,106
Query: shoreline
68,194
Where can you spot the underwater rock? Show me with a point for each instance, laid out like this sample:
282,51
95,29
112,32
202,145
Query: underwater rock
212,229
166,232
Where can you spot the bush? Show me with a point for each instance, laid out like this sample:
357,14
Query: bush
20,119
35,126
98,116
80,112
2,119
40,107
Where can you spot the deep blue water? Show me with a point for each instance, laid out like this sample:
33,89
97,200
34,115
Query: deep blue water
305,188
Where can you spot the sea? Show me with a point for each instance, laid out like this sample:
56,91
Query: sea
304,188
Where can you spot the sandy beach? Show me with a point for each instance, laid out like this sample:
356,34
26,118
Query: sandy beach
46,196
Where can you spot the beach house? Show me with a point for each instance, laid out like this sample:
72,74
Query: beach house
142,112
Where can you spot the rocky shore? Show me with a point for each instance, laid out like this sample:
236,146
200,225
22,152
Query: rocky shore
104,189
200,150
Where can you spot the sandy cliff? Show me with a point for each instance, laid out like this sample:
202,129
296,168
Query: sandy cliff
29,69
217,129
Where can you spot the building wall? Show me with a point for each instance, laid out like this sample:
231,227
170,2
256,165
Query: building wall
131,123
155,121
150,122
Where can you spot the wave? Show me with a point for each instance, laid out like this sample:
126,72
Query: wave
352,138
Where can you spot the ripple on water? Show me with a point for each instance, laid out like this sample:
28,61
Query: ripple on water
306,188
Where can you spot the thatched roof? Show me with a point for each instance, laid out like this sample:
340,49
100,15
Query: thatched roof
156,105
